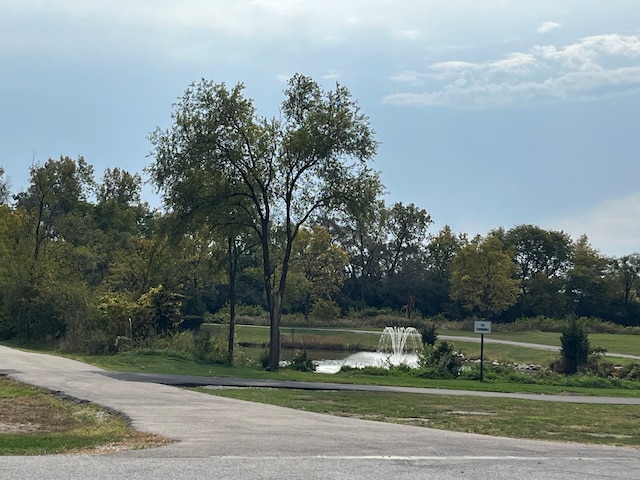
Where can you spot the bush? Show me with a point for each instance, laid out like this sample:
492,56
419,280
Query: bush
429,334
629,372
325,309
301,362
440,361
264,358
208,349
575,347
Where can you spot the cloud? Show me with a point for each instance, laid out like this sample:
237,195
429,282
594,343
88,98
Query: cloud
612,227
407,34
547,27
593,67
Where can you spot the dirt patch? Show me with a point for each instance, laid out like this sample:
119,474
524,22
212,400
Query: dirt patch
32,411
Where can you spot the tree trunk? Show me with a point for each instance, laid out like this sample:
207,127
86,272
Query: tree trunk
274,334
233,262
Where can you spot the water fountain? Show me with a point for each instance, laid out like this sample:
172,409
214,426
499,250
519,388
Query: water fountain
397,346
400,340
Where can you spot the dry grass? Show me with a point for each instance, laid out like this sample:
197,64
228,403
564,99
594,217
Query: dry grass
35,421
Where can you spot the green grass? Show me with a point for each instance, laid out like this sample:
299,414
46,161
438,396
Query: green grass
368,340
584,423
259,335
626,344
160,362
33,421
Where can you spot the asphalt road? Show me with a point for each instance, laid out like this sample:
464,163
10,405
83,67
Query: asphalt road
222,438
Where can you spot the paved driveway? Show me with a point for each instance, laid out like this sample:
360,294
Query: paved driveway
222,438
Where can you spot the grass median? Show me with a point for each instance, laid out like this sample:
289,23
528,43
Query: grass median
35,421
540,420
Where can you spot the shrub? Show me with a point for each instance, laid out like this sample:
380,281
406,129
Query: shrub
264,358
301,362
575,347
630,372
208,349
325,309
440,361
429,334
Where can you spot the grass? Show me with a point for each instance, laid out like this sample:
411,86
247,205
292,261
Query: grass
161,362
368,340
609,424
583,423
34,421
626,344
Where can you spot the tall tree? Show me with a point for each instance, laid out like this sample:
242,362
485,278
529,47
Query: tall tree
57,188
406,227
587,288
4,188
543,258
482,277
538,251
441,250
357,230
627,275
278,171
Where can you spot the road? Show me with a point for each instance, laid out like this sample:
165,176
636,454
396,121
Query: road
231,439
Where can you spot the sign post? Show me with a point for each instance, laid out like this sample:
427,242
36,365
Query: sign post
482,327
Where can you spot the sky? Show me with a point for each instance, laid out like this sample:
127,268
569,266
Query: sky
491,113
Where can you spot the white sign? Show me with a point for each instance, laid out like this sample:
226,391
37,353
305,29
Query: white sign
482,327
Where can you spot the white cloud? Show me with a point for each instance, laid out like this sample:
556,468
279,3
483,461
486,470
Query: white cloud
407,34
593,67
331,75
409,77
547,27
613,227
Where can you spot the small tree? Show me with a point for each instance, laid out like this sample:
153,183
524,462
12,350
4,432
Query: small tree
575,347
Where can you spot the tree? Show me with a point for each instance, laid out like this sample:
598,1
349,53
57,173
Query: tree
320,267
57,188
482,277
543,258
587,288
627,274
574,347
4,188
538,251
279,172
441,250
406,226
357,230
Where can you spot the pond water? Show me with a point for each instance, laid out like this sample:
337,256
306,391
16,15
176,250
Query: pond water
330,361
367,359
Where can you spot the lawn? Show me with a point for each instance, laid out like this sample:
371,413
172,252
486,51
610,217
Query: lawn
583,423
34,421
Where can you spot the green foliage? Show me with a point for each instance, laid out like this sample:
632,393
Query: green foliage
264,359
273,174
301,362
429,334
209,349
163,309
629,372
242,310
482,277
440,361
326,310
201,347
575,347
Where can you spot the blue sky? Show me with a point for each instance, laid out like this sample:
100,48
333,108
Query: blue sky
490,113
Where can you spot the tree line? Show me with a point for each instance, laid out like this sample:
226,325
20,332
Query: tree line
285,214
